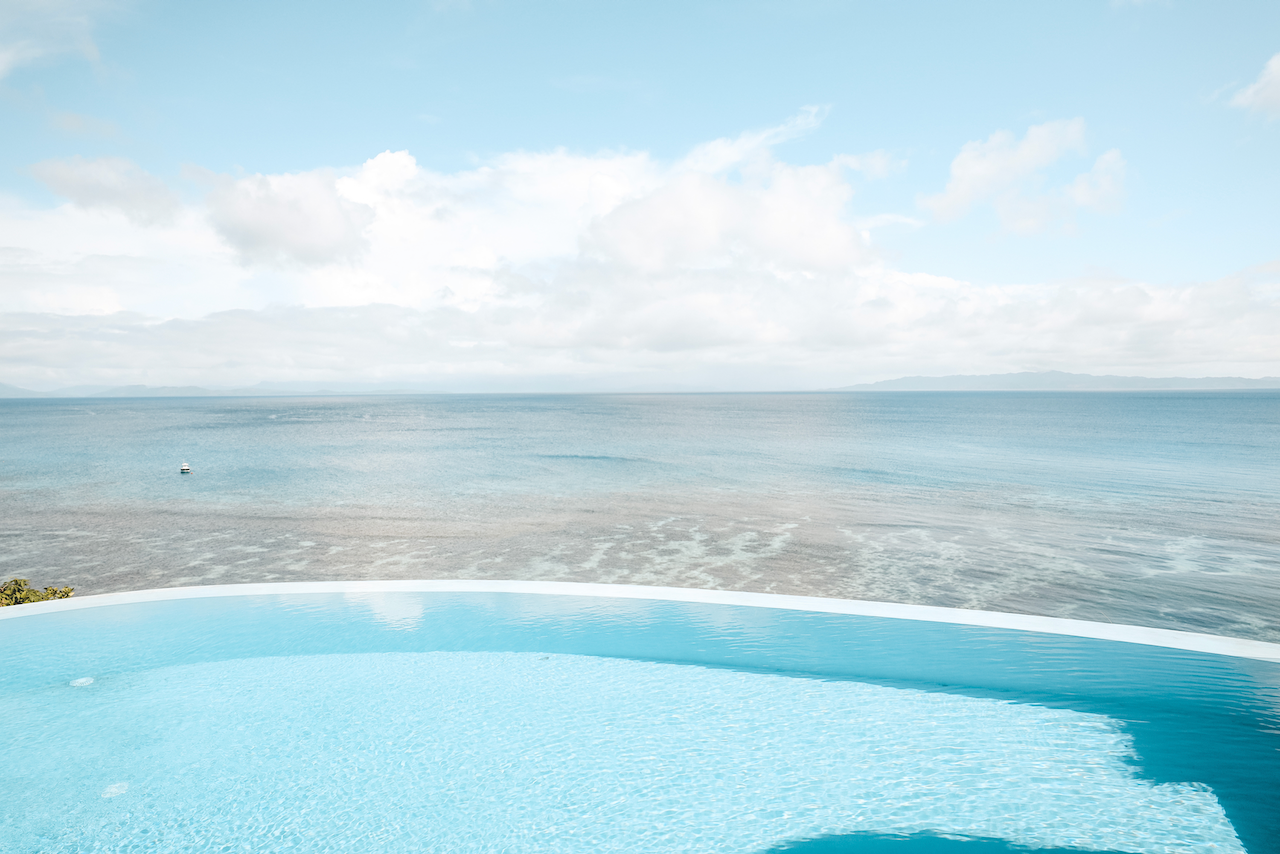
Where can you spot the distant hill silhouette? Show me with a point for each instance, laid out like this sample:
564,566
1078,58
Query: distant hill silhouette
7,390
1061,381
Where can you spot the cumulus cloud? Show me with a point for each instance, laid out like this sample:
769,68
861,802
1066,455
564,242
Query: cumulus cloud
1263,95
873,164
728,267
721,154
31,30
392,231
302,218
477,235
74,260
1010,173
983,170
780,216
1102,187
110,183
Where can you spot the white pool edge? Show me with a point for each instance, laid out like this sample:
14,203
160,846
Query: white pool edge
1190,641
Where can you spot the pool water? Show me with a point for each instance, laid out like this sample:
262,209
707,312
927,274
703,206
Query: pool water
307,719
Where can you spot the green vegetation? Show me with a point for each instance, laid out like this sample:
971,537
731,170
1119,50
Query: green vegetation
16,592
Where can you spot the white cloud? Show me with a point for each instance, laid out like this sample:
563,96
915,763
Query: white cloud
1102,187
873,164
1010,173
111,183
779,217
725,268
76,260
466,237
722,154
881,220
31,30
1263,95
394,232
983,170
725,331
303,218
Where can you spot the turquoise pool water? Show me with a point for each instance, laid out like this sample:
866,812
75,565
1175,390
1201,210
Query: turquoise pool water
375,718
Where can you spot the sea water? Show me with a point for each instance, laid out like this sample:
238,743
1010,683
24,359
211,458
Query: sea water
1156,509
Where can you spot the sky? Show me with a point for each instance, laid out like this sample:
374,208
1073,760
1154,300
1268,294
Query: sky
591,196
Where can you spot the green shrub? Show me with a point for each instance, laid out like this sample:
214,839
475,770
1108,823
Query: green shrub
16,592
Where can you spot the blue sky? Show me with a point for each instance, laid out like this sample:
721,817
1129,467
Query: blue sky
1074,186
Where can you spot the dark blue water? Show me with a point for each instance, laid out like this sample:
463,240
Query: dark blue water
1153,508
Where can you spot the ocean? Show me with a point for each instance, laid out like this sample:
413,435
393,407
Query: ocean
1148,508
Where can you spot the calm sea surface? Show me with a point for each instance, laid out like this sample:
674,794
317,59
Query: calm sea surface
1159,509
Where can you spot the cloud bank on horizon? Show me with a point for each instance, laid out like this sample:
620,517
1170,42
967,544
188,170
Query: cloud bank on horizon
728,264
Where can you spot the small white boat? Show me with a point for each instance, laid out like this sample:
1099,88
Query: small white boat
186,469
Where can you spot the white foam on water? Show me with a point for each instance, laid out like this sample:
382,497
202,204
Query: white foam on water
81,682
115,790
534,752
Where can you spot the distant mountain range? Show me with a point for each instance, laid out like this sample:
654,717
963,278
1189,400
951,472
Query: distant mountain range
1060,381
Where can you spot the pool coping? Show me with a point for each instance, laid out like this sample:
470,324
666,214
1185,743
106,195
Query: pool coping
1189,641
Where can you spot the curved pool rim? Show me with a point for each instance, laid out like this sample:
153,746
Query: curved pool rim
1144,635
1158,685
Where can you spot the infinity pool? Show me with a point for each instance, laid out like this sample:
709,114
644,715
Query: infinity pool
468,716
